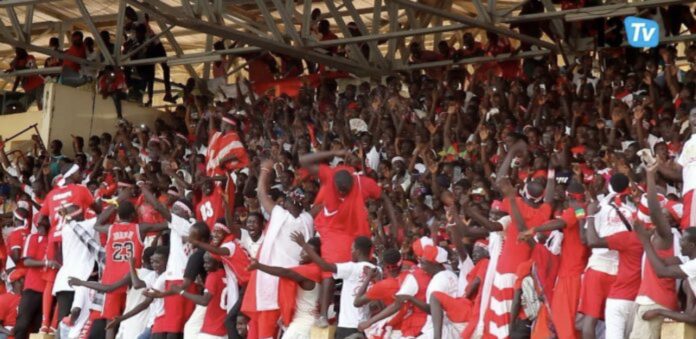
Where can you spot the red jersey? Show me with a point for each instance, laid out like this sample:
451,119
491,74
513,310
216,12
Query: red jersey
15,241
663,291
348,214
574,253
515,252
35,248
214,320
9,303
123,242
29,82
75,51
385,289
72,193
211,207
630,251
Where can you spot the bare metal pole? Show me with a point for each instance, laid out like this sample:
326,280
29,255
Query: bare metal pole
476,23
95,32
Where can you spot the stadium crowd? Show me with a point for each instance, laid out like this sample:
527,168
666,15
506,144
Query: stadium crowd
523,199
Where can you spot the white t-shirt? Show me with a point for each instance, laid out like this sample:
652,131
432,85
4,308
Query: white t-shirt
179,250
278,250
78,261
444,281
132,327
608,222
353,275
232,288
252,247
409,286
689,268
156,308
687,159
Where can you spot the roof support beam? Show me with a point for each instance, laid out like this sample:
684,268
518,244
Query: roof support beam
95,32
389,35
288,21
608,9
4,38
177,49
355,52
158,9
120,18
475,60
270,21
481,11
476,23
28,21
374,49
306,18
146,43
16,26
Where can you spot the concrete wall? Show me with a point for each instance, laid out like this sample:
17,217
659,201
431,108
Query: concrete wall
72,111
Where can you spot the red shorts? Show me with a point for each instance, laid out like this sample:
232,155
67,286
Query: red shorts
457,310
264,324
594,293
336,248
177,310
114,304
688,210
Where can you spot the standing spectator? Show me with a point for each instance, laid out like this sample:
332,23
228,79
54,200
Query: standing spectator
33,85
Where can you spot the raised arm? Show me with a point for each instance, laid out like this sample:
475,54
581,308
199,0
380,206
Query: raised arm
209,248
262,186
310,160
656,215
298,238
661,268
99,287
360,298
159,207
282,273
593,238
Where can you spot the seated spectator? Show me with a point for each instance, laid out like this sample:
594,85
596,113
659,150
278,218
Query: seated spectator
112,83
70,75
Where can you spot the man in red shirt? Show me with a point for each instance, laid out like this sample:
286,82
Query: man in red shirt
574,253
33,85
9,302
34,259
70,74
620,303
533,205
655,292
112,83
214,320
211,207
343,194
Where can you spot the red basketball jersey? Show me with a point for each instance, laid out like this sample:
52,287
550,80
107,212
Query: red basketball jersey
123,242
